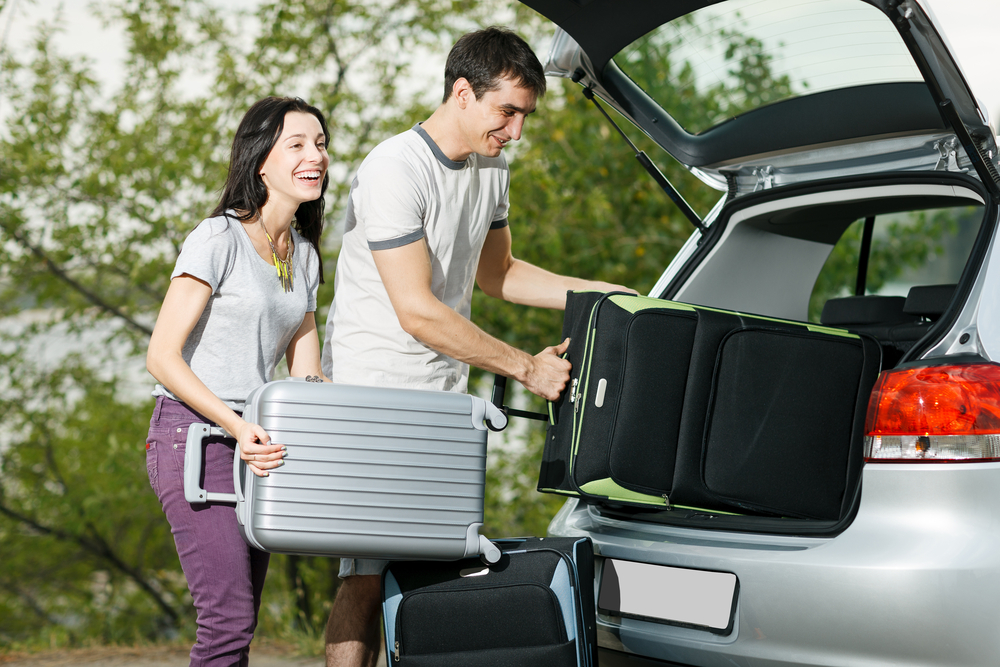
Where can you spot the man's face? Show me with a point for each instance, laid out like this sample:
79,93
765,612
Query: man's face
496,118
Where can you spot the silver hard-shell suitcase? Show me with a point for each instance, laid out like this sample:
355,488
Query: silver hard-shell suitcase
370,472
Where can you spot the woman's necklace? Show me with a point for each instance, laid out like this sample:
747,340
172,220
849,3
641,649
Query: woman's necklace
282,266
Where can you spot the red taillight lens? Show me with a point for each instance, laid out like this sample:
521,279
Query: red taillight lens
939,413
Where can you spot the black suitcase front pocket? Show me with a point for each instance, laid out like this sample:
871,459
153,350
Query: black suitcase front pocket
779,433
650,400
500,625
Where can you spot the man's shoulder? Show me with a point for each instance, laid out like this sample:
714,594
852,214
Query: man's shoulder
403,145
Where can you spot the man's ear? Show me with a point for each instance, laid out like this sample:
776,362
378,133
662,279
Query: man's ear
462,92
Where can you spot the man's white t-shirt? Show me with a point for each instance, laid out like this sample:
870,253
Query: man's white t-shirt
407,189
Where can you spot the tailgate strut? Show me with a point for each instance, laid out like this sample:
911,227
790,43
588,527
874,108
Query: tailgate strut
648,165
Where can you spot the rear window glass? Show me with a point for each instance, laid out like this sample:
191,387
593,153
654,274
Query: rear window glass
927,247
724,60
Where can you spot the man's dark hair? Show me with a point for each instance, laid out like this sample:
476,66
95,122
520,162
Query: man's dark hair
487,56
245,191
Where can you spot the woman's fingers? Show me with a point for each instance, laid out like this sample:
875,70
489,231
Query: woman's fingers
258,451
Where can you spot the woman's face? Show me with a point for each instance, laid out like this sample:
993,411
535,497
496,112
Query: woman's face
294,169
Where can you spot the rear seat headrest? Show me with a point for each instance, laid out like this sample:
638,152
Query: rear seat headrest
928,300
869,309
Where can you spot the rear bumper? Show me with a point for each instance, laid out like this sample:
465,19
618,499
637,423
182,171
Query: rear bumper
914,580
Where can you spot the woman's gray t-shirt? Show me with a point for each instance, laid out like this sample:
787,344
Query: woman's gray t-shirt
249,320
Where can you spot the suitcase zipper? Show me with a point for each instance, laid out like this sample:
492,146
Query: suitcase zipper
578,404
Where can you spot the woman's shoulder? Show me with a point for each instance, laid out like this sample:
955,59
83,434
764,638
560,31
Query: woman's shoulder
217,229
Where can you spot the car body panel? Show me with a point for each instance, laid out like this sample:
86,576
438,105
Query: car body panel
910,548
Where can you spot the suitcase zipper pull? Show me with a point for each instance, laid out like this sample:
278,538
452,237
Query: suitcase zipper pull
395,655
666,501
574,397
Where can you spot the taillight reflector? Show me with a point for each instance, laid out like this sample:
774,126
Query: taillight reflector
937,413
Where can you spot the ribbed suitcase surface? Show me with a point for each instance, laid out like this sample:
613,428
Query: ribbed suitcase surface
533,608
674,404
369,472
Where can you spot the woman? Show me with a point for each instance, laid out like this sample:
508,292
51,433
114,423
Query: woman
241,296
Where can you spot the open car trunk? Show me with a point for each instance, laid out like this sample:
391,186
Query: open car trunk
720,404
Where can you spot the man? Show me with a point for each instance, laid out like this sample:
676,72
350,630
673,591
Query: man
426,219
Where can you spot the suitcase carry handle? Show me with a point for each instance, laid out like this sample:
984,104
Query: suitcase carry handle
499,389
194,453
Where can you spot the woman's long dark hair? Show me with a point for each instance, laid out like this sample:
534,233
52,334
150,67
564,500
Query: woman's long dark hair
245,191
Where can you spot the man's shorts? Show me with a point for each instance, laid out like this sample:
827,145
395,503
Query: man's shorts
352,567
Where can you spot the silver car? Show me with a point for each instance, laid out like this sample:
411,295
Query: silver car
860,191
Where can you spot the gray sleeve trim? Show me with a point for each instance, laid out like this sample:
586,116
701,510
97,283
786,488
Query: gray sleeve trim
499,224
398,242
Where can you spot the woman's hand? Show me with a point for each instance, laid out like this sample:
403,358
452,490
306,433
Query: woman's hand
256,449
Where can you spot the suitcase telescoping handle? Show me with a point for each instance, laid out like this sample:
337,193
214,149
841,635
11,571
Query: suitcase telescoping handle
194,453
499,389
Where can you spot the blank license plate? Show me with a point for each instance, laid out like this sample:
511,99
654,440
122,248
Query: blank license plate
674,595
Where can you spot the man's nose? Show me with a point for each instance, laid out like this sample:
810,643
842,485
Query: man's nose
515,126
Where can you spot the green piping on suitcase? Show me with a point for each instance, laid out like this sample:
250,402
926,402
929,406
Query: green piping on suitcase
648,302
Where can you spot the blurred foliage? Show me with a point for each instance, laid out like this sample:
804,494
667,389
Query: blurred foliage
83,550
652,62
902,244
98,188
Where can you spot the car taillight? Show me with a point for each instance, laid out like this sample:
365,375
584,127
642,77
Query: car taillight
936,414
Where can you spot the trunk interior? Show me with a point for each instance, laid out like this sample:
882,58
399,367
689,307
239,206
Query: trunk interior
746,412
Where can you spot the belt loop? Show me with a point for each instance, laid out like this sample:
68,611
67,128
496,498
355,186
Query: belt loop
156,408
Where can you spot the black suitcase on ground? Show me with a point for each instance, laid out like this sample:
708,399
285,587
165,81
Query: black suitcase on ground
678,405
534,608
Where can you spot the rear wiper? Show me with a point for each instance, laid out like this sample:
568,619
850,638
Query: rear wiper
651,168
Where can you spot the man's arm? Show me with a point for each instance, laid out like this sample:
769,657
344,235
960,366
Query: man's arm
502,276
406,273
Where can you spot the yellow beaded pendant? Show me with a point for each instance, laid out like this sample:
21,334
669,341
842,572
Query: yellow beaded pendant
282,266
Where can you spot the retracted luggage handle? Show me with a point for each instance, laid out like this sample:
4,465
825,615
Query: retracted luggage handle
499,389
194,452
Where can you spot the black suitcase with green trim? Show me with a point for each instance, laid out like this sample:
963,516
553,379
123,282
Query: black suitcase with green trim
672,404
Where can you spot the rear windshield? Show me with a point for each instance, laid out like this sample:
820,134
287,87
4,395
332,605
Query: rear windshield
730,58
913,248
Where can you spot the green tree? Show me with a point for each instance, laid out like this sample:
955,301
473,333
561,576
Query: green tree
98,188
904,242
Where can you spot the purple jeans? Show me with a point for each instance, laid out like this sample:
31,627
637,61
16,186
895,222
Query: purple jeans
224,574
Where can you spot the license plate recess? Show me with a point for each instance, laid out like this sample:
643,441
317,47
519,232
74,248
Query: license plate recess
700,599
